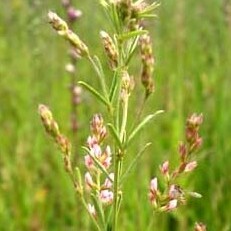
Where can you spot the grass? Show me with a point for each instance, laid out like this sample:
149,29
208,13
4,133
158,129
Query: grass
191,45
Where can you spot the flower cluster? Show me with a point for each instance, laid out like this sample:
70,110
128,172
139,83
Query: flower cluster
52,130
98,161
147,63
62,29
110,49
174,194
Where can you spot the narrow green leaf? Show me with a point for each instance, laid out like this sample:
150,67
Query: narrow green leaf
99,209
94,92
113,87
133,163
132,34
142,124
99,70
114,134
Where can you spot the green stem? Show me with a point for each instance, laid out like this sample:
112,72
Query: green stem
116,184
124,120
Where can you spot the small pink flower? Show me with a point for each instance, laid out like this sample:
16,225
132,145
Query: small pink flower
89,163
108,184
164,168
153,185
73,13
172,204
106,196
106,157
91,141
190,166
153,191
96,151
91,210
88,180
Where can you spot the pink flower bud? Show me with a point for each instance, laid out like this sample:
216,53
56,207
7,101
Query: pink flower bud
164,168
96,151
91,141
88,180
106,196
153,191
89,163
172,204
108,184
91,210
190,166
106,157
153,185
73,13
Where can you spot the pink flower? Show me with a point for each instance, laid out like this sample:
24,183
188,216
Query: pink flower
106,157
108,184
91,141
190,166
73,13
89,163
88,180
172,204
153,191
106,196
96,151
91,210
164,168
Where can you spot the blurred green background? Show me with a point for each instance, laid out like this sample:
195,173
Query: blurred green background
193,58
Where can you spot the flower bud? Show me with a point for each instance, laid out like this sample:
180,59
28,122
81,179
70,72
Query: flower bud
110,49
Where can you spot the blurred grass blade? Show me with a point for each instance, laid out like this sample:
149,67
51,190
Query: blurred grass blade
142,124
133,163
94,92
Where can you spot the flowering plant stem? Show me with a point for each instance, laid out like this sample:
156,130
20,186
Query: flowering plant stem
104,181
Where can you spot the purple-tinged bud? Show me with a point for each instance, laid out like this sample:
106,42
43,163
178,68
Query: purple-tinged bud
183,151
164,168
153,191
89,163
195,120
73,14
106,196
190,166
108,184
172,204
